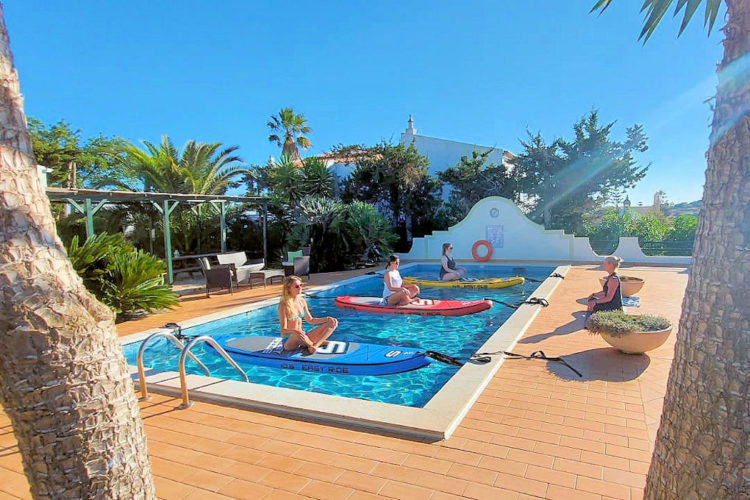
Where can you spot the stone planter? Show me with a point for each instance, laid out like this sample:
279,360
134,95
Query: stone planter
637,342
630,284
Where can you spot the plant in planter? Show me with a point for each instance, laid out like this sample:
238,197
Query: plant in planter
630,284
632,334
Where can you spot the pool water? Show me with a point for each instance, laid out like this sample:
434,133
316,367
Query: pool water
456,336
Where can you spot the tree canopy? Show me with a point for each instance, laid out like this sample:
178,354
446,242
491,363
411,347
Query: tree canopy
564,179
75,162
395,179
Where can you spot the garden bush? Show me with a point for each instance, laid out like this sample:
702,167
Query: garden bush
127,280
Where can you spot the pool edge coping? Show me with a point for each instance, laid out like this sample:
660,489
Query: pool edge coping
437,420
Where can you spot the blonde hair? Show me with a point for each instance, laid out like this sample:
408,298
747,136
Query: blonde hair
286,295
445,247
614,260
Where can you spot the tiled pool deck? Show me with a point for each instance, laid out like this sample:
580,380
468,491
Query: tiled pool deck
537,430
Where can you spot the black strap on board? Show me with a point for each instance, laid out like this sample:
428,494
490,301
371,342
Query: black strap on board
486,357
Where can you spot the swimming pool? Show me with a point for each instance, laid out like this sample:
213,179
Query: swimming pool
455,336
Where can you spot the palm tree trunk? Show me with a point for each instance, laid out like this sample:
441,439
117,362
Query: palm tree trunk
703,444
65,384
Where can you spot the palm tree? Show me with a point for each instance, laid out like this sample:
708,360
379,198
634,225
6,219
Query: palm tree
199,168
291,126
65,385
702,444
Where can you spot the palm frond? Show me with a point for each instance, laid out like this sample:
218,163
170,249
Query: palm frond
655,9
601,6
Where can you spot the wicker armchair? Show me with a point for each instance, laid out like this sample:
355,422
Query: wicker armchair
300,267
216,276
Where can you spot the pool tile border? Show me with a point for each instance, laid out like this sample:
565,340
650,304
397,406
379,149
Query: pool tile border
435,421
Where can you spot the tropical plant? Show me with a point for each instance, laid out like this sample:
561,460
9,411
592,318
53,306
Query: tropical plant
394,178
66,388
341,235
317,180
617,323
127,280
198,169
286,180
134,284
367,234
288,129
315,218
701,446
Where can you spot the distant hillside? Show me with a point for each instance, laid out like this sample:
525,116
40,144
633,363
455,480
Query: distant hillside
691,208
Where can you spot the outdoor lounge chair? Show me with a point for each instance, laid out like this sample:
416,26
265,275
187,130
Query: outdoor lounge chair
217,276
241,267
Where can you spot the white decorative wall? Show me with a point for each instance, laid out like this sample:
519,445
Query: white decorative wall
515,237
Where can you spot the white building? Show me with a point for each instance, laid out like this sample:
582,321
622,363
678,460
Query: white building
442,154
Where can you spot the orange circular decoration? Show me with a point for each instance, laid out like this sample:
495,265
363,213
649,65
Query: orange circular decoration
481,243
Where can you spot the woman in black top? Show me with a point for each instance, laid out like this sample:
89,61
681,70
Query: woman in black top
610,297
449,271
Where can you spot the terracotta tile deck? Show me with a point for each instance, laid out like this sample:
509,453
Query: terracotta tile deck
537,430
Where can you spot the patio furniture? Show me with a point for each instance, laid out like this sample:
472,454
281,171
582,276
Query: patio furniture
266,277
241,267
188,263
299,267
216,276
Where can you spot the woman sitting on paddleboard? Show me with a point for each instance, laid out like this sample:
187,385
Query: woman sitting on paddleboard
449,271
610,297
292,310
395,291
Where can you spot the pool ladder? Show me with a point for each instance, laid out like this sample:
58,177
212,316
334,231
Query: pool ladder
185,352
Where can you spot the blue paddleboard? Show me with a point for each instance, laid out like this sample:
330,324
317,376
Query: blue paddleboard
336,358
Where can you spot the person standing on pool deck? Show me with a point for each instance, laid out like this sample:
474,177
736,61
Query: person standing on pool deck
449,271
395,292
610,297
292,310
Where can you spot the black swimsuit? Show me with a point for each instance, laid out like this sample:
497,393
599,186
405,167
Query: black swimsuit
616,303
451,265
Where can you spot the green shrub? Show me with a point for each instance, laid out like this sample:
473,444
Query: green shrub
127,280
618,323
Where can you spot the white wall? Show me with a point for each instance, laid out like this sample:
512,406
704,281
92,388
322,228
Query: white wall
515,237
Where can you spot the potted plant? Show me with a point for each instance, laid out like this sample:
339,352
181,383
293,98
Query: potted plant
632,334
630,284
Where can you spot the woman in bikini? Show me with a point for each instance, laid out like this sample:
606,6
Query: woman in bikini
292,310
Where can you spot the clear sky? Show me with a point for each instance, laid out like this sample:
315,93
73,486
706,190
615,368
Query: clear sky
474,71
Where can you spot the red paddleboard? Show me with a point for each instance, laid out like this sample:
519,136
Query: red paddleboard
421,306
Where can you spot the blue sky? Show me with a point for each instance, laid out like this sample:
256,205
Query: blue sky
481,72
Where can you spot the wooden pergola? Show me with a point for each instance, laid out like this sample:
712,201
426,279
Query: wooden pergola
89,201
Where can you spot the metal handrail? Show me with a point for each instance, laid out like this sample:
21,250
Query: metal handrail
186,351
177,343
